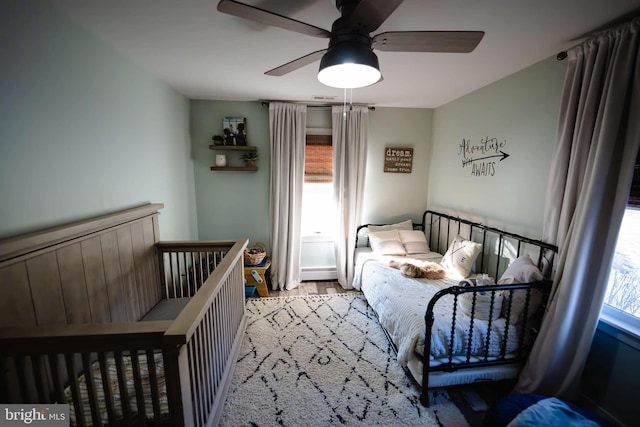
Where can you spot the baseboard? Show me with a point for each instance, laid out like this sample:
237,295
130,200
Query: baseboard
310,274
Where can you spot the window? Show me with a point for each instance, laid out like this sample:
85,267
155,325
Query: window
317,192
622,300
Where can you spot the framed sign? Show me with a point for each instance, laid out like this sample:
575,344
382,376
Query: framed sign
398,160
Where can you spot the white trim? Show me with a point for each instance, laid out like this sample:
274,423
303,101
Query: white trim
317,238
318,273
620,325
318,131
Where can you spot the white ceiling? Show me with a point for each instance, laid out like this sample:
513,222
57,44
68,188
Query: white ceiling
205,54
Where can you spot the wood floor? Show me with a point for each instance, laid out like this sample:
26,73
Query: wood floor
472,400
314,288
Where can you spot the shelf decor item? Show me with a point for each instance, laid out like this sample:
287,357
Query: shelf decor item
255,254
249,158
221,160
217,140
235,130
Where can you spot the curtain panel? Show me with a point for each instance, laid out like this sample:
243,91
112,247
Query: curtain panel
287,129
591,172
350,126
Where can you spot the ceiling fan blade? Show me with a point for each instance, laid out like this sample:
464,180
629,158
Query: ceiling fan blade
262,16
296,63
428,41
368,15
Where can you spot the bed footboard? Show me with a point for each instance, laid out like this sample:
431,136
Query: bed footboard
512,352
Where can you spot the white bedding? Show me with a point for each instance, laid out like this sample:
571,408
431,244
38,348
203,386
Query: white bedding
401,304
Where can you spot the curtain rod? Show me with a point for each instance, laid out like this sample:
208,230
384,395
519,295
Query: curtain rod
370,107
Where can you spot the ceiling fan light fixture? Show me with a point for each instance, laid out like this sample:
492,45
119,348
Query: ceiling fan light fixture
349,65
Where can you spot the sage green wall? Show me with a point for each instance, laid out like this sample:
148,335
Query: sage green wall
231,205
390,197
521,109
84,131
236,204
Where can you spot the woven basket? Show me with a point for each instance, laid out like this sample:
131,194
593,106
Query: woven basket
255,254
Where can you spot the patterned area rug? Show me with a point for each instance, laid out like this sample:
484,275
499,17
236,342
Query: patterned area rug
324,360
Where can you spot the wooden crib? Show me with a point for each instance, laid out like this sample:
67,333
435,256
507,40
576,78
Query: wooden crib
126,329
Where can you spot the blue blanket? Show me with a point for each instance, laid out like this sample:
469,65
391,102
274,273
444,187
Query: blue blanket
551,412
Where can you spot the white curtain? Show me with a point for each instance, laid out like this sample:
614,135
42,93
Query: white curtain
349,132
591,172
287,128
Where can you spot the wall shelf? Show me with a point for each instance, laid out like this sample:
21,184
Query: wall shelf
234,148
235,168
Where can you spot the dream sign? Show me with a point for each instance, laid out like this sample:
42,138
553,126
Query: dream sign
398,160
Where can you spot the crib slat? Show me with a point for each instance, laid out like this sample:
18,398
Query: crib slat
21,370
113,274
74,287
139,390
106,387
125,256
153,384
122,385
91,388
57,385
93,265
196,380
40,378
75,389
211,387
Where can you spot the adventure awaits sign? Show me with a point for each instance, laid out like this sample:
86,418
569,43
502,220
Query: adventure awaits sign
482,157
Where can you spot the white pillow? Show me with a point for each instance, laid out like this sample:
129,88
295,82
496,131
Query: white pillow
386,242
404,225
522,270
414,241
460,256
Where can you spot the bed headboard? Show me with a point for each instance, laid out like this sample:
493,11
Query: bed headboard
47,277
499,247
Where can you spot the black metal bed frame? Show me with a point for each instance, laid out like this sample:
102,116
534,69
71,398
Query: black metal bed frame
440,229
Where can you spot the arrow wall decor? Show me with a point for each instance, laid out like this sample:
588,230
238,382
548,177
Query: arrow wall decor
482,157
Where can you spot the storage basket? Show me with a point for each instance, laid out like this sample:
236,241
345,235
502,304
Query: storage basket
255,254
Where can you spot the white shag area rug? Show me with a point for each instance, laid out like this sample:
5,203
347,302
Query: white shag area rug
324,361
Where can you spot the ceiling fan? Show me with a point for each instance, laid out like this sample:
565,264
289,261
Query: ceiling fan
349,61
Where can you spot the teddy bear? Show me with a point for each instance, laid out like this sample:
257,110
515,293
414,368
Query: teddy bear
419,269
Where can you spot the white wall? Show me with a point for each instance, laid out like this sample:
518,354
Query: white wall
84,131
520,111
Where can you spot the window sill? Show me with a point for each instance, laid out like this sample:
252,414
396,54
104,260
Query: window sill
621,326
317,238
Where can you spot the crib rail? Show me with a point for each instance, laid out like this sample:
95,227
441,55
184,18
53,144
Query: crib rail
47,362
182,368
205,339
184,266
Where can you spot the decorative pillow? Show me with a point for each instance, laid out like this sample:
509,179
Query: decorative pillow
483,305
404,225
522,270
460,256
386,243
414,241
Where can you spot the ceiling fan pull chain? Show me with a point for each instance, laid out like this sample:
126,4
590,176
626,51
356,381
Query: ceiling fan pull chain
350,99
344,105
